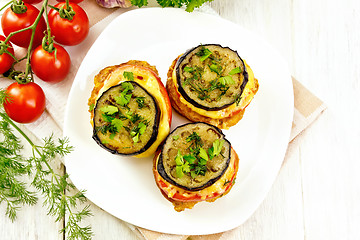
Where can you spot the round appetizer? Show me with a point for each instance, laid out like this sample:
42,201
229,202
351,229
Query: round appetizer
196,163
130,109
210,83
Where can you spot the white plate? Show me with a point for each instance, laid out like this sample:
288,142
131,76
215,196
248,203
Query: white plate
125,186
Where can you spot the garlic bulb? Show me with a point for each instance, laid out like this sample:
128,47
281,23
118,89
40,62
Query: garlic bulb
114,3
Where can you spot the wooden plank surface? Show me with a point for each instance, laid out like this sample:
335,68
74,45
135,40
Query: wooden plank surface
317,191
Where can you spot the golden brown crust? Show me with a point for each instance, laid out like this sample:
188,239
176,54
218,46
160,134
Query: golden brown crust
187,112
181,206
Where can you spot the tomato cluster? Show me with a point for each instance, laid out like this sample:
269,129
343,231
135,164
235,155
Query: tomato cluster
24,25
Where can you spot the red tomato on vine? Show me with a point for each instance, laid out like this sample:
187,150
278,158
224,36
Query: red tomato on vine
26,102
50,67
5,59
69,32
13,21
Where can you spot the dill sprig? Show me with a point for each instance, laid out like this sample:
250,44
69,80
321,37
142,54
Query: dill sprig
55,188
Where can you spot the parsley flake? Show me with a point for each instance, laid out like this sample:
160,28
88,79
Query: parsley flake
140,101
182,166
117,123
235,71
216,148
128,75
137,131
204,53
226,80
109,109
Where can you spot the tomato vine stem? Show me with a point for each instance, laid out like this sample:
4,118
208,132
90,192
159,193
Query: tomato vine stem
27,76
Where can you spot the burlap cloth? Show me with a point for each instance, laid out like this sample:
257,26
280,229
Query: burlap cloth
307,107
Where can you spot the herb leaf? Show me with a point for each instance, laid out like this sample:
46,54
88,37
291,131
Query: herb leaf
129,76
137,131
109,109
203,53
216,148
235,71
216,68
182,166
203,154
117,123
140,101
226,80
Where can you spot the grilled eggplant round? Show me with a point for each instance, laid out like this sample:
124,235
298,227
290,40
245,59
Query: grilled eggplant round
196,163
130,110
126,119
211,83
211,76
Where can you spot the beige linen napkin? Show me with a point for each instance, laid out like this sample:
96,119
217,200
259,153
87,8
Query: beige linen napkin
307,106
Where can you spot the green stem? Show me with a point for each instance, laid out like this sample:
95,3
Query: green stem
33,28
7,4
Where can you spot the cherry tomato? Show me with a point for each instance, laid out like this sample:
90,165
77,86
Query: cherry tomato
27,102
5,59
12,22
48,66
73,1
68,32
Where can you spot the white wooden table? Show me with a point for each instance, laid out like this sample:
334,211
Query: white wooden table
317,192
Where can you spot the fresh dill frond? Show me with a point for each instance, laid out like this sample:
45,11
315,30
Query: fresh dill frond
54,188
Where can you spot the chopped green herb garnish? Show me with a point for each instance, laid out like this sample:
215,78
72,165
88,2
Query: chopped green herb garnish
188,69
203,53
216,148
215,68
117,123
109,109
199,170
107,117
226,80
128,75
237,99
203,154
140,101
235,71
137,131
134,117
123,99
125,95
226,182
194,136
176,137
190,158
127,85
181,165
112,136
179,160
91,107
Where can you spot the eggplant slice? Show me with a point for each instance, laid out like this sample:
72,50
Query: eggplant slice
211,77
194,156
126,119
